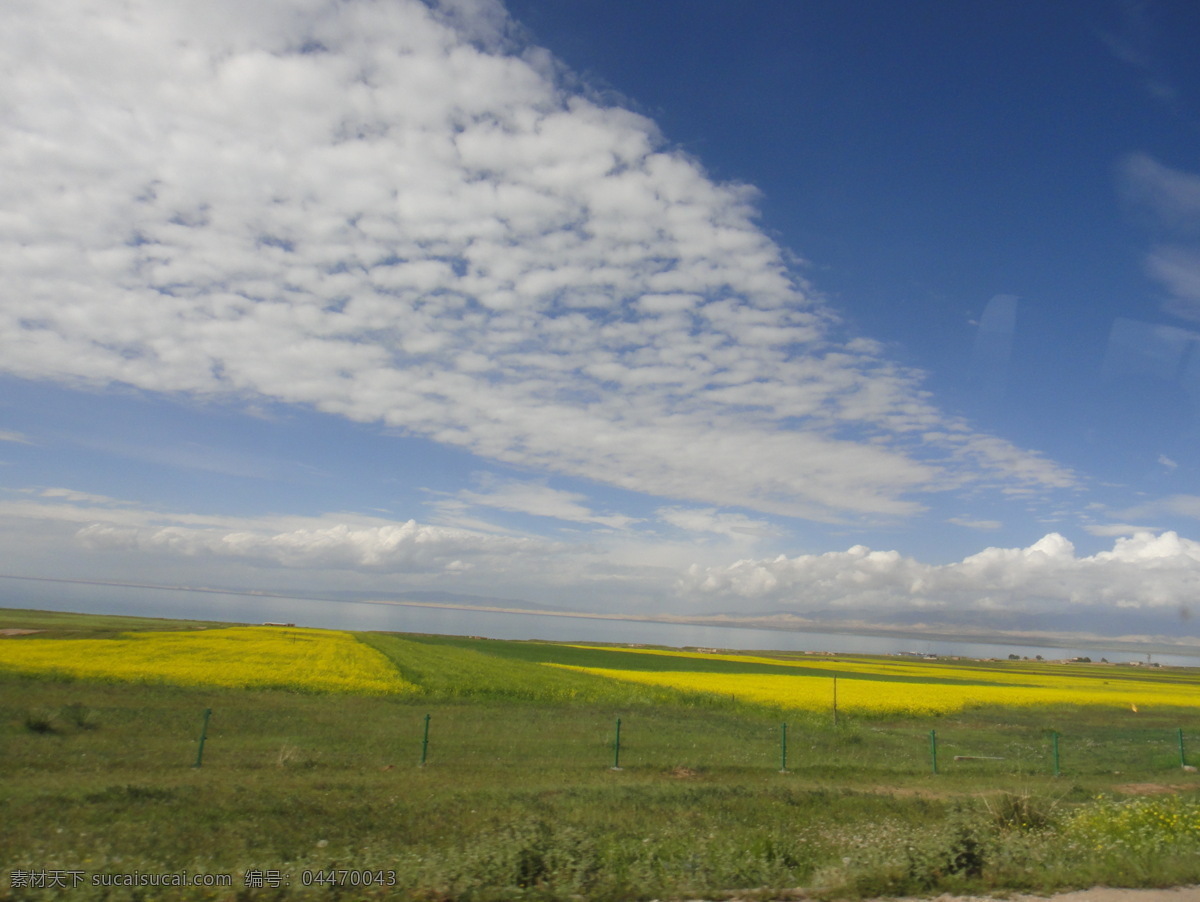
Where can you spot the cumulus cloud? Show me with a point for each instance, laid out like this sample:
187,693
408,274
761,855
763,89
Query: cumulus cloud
1142,571
399,213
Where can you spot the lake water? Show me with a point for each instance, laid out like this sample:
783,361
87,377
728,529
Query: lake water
157,602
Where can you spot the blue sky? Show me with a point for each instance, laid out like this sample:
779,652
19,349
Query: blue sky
856,310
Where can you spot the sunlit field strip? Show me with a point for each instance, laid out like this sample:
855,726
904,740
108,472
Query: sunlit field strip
1063,677
313,660
880,697
841,663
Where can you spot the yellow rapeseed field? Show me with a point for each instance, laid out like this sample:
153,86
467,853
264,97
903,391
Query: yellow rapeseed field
926,687
247,656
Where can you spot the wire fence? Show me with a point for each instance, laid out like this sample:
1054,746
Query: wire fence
457,739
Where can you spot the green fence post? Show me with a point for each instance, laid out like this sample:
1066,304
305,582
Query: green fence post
933,749
203,736
1182,759
783,748
1054,739
425,742
835,701
617,747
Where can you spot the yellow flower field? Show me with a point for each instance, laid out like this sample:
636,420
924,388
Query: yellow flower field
248,656
928,687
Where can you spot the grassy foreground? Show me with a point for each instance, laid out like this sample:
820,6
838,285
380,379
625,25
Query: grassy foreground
315,791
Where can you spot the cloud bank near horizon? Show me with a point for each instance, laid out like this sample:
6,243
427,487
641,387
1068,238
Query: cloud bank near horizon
1144,571
1156,575
331,544
403,214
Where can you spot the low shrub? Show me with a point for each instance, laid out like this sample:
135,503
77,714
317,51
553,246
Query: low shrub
42,720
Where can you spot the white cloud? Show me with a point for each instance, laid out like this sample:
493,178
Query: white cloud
69,506
710,520
77,535
408,547
449,511
1138,42
541,501
1172,198
1117,529
1141,571
17,437
621,570
73,495
975,524
1178,268
1167,462
1183,505
337,541
1171,195
396,213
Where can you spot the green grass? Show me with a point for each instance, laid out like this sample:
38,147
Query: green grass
480,670
617,659
518,799
66,625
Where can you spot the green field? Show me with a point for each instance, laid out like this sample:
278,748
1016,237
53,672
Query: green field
320,793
